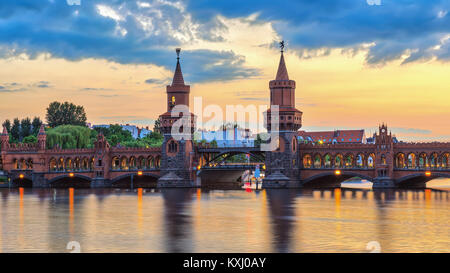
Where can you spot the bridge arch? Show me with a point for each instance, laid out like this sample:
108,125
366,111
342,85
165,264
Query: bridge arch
146,180
419,179
445,163
400,161
85,163
360,160
64,181
423,160
115,163
307,161
371,160
411,160
230,153
317,161
330,179
349,160
327,160
434,160
339,161
25,182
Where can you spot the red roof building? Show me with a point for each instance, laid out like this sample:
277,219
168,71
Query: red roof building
337,136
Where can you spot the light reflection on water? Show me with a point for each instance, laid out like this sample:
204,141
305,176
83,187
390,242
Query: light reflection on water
193,220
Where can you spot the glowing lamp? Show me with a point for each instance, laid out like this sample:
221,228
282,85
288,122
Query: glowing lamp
21,176
139,173
199,167
428,173
337,172
264,167
71,174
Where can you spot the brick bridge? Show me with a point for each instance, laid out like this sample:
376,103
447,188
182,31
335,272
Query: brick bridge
182,163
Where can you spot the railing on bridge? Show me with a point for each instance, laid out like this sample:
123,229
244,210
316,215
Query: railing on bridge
234,165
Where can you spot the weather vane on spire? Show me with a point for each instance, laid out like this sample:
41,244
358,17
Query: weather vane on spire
178,50
282,45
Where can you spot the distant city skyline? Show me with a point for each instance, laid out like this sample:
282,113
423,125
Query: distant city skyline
115,59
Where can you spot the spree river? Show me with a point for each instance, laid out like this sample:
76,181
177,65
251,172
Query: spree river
194,220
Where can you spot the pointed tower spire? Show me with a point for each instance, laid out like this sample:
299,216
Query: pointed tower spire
5,132
42,130
178,76
282,74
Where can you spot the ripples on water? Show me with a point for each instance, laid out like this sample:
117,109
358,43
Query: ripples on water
192,220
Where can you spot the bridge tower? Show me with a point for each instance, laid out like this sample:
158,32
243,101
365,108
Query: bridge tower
40,167
384,159
177,126
4,139
101,162
282,164
42,138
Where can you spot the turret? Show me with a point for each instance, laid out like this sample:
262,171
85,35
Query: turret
4,139
282,164
282,94
177,94
42,138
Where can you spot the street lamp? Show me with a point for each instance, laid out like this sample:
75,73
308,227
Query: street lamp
427,173
21,176
71,174
337,172
139,173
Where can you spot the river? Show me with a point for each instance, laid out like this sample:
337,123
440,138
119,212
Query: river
194,220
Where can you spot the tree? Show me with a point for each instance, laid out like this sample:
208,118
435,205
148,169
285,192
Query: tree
25,128
213,143
15,130
65,114
157,126
36,125
69,137
155,139
115,134
30,139
7,124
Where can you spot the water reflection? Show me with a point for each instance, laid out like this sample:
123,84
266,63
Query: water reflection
282,213
178,220
192,220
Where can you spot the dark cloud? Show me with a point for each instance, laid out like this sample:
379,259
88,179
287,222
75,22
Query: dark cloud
77,32
394,26
93,89
147,34
43,84
12,87
157,81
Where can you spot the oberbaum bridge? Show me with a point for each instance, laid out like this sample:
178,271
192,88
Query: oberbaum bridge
183,163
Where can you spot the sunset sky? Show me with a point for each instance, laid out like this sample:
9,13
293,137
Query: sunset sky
357,63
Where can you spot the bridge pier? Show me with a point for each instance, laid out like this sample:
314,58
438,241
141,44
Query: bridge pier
384,183
99,182
39,181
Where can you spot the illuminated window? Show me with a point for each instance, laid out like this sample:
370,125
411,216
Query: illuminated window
173,99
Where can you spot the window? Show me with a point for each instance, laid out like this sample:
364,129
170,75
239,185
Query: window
173,99
350,139
173,147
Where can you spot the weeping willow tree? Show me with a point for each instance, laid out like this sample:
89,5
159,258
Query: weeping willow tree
69,137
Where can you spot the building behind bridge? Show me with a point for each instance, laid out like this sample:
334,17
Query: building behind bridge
231,137
333,137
